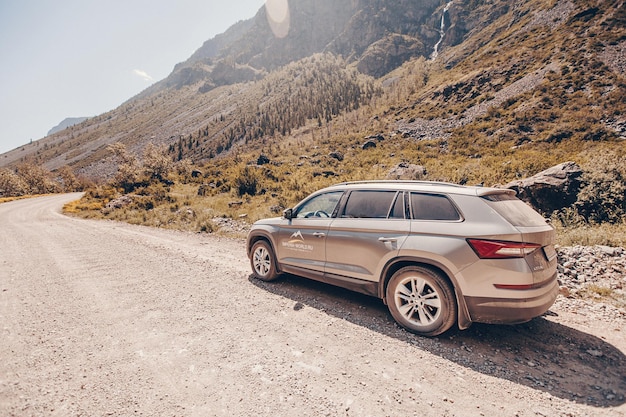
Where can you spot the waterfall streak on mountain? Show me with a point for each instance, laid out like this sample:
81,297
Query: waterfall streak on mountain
442,31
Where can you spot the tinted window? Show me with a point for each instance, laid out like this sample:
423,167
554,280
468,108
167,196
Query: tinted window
432,207
514,210
397,211
322,205
369,204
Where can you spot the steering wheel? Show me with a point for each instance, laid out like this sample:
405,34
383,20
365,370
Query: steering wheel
320,213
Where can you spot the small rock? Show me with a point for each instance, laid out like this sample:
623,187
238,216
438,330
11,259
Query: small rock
262,160
594,352
337,155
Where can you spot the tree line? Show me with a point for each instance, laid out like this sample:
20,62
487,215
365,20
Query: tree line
314,89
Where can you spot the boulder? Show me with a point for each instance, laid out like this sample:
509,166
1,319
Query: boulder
552,189
119,202
406,171
369,144
337,155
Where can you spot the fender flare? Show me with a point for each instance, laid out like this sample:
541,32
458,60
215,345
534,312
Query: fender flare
464,320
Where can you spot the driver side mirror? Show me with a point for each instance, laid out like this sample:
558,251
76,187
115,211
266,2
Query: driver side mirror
288,214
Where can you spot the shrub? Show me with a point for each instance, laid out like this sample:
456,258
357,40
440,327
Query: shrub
68,180
156,164
603,196
128,170
11,185
247,182
37,179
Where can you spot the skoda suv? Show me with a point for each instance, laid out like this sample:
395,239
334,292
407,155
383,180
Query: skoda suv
435,253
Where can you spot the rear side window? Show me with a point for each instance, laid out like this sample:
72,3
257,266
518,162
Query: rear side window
369,204
433,207
514,210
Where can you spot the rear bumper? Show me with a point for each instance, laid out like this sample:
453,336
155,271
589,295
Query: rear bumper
512,310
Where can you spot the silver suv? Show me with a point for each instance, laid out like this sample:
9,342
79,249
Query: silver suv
435,253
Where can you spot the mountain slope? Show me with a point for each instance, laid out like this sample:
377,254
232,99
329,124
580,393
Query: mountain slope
516,86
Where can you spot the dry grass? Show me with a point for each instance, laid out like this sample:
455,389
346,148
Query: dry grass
605,294
7,199
590,235
79,206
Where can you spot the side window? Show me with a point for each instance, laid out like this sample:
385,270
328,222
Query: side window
432,207
322,205
398,209
369,204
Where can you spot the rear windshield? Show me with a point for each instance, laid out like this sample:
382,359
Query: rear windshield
514,210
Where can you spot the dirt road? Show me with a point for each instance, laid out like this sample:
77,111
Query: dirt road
106,319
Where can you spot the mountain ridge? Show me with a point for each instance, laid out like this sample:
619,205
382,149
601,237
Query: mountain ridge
65,123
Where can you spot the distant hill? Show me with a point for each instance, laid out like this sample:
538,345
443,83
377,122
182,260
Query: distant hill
70,121
540,75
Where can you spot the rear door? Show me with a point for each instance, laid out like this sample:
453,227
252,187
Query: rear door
368,231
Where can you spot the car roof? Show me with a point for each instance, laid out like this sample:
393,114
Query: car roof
422,186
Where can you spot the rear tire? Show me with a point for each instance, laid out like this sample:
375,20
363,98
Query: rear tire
263,261
421,300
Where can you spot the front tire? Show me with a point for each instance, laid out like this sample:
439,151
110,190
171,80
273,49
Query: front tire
263,261
421,301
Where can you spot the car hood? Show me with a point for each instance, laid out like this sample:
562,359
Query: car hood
271,221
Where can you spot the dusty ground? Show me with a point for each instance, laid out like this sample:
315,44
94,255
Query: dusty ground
107,319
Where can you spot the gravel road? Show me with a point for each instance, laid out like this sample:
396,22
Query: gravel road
107,319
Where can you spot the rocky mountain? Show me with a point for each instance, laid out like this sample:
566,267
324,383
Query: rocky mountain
508,78
377,35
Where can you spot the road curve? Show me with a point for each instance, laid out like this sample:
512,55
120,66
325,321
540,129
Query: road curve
100,318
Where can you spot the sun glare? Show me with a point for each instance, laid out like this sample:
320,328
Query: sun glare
277,12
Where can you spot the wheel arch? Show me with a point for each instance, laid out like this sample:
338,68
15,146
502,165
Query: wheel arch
265,237
463,317
255,237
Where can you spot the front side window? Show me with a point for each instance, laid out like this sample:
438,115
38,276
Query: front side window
369,204
433,207
320,206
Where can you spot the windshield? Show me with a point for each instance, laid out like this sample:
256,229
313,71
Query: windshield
514,210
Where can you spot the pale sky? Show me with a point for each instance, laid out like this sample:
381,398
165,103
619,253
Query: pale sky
73,58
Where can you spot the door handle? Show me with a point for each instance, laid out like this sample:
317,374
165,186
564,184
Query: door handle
387,239
319,234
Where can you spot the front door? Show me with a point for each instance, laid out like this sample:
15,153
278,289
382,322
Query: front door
302,239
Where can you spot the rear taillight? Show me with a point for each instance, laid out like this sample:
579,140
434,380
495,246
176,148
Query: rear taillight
495,249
